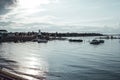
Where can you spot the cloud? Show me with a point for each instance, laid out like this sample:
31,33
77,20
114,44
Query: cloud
6,5
51,27
59,15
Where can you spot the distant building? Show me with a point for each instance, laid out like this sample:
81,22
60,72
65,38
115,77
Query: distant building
39,34
11,34
3,33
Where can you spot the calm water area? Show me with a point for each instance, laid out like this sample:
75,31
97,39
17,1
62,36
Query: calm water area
62,60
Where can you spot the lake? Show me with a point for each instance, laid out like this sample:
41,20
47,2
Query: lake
62,60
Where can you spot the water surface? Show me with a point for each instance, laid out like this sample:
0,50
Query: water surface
62,60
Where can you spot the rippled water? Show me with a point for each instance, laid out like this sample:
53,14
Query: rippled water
62,60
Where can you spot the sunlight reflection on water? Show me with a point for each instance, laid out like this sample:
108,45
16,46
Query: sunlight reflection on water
62,60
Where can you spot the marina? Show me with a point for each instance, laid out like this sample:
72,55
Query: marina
59,39
36,63
29,40
96,42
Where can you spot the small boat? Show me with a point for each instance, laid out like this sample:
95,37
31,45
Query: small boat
101,41
75,40
42,41
96,41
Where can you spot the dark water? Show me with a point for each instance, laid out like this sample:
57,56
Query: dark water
62,60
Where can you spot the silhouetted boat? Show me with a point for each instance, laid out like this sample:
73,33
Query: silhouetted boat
75,40
42,41
96,41
101,41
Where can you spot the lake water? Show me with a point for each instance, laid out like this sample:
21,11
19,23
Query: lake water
62,60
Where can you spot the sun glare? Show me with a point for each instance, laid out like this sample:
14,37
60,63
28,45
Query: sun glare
32,3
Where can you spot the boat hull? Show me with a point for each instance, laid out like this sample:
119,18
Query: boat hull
42,41
74,40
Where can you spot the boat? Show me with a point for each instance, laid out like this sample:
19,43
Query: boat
42,41
101,41
75,40
96,41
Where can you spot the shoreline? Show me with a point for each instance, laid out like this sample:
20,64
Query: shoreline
6,36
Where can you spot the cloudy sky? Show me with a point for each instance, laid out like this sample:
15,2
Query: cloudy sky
60,15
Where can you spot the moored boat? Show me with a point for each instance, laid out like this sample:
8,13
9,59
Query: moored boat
42,41
96,41
101,41
75,40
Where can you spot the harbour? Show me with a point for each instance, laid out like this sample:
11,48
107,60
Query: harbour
59,40
43,61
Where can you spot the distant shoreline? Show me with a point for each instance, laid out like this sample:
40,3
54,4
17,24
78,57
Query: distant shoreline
6,36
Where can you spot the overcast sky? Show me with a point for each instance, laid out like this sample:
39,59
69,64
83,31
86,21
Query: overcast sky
60,15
